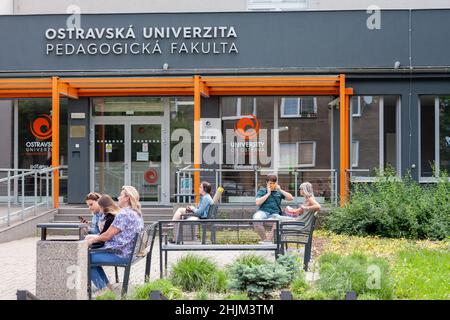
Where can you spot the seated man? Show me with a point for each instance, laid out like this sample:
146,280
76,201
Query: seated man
268,201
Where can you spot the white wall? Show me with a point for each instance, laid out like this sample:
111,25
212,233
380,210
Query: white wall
127,6
384,4
130,6
6,6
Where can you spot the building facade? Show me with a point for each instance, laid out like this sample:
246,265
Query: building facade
163,100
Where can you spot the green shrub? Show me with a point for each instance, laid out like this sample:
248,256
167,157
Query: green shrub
251,260
392,208
292,263
166,287
311,295
194,273
299,284
236,296
356,273
422,274
259,280
108,295
201,295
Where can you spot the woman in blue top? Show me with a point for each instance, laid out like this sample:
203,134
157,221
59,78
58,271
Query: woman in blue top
201,211
119,236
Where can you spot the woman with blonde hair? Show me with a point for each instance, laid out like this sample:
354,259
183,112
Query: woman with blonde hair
119,236
309,205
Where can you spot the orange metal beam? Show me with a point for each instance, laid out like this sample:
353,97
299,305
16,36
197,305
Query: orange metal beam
344,141
204,90
55,139
197,144
66,90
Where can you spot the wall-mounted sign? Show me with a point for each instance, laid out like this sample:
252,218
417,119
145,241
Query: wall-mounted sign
142,156
151,176
210,130
108,147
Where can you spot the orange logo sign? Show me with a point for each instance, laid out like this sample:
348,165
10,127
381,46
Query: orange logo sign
151,176
41,127
247,127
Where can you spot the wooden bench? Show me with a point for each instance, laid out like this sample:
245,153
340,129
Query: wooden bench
142,248
212,243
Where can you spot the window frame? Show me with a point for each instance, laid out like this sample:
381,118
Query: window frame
437,155
239,114
306,165
283,115
381,139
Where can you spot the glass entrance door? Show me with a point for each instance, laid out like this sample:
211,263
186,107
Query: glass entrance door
131,152
110,164
146,165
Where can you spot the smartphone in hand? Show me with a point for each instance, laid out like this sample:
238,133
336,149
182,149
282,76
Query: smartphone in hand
82,220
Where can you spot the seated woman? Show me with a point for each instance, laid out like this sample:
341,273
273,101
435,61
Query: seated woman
309,207
201,211
110,209
92,203
119,236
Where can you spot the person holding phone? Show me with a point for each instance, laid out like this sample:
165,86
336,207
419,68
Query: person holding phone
92,203
268,200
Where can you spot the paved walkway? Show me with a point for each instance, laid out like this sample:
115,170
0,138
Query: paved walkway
18,266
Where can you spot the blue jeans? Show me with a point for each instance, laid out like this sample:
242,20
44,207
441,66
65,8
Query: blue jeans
98,275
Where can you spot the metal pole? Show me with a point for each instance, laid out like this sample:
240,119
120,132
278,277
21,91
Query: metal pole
335,188
295,184
256,180
35,191
9,199
23,194
46,187
217,179
178,186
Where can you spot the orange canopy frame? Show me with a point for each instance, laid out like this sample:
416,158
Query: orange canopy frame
196,86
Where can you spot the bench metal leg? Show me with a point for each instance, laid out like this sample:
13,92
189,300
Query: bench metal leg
307,256
126,278
165,262
116,274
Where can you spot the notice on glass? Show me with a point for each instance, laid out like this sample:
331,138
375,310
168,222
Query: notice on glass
142,156
108,148
145,147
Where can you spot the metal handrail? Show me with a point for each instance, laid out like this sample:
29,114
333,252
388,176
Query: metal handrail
49,175
187,171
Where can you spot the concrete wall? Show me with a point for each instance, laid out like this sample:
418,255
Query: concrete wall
27,228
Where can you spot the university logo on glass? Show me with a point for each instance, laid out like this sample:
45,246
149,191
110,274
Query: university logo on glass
247,127
41,127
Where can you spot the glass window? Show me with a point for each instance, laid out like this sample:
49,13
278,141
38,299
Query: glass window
300,107
355,154
374,132
307,154
35,137
434,140
236,107
181,143
444,134
128,106
288,152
